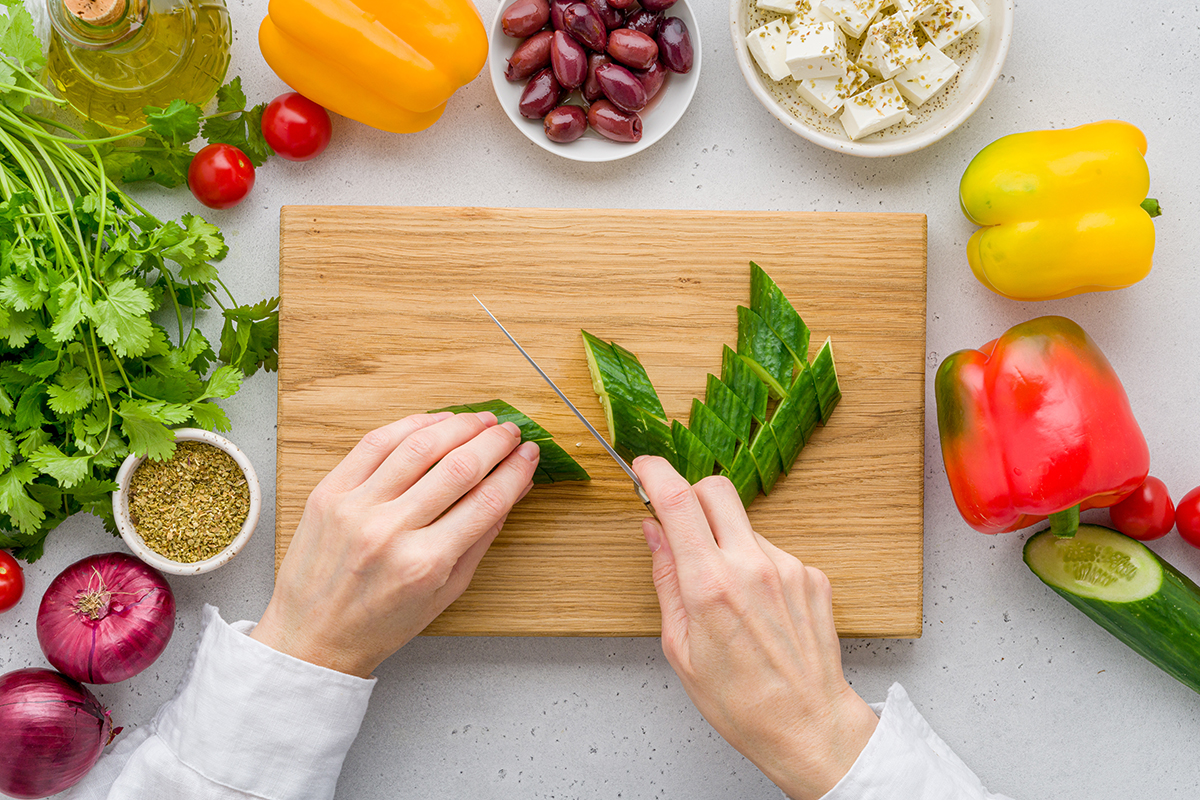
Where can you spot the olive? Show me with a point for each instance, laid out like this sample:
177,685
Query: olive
657,5
634,49
675,45
643,21
525,18
591,86
541,94
613,123
585,25
621,87
557,7
565,124
609,15
651,78
622,5
530,56
569,60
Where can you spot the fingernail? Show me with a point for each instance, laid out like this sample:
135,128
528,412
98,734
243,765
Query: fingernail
512,428
441,415
639,459
653,534
529,451
488,417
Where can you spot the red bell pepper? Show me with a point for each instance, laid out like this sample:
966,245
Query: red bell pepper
1036,425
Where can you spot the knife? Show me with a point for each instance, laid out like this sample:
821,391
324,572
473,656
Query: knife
637,484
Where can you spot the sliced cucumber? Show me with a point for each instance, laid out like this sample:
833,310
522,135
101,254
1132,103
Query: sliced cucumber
715,434
764,352
641,390
824,372
769,302
737,375
729,407
695,459
765,452
744,475
636,432
1128,590
795,417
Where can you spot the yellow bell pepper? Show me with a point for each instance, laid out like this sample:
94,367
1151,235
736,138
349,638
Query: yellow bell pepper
391,64
1065,210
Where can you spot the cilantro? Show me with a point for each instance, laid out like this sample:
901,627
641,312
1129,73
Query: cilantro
237,125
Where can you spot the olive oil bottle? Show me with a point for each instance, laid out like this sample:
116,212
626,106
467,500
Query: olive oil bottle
110,58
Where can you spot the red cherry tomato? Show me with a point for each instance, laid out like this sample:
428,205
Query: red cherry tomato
12,581
220,176
1146,514
1187,517
296,128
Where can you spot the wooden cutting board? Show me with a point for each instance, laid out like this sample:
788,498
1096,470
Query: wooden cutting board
377,322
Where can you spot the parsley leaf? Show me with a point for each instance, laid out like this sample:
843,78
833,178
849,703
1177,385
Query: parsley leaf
238,125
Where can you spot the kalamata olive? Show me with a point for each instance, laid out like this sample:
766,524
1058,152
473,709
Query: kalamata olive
569,60
611,17
613,123
591,87
585,25
622,4
541,94
530,56
651,79
557,7
675,45
565,124
525,18
621,87
657,5
643,21
634,49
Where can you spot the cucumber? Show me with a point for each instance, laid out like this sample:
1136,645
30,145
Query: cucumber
1128,590
744,475
824,372
764,352
765,452
796,417
695,459
641,391
637,432
737,375
769,302
554,465
616,371
715,434
729,407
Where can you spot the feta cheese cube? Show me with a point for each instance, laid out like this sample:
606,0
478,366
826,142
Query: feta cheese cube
782,6
853,16
768,45
914,11
828,95
816,51
890,47
871,111
923,78
951,21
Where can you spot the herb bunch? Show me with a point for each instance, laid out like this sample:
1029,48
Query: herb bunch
100,353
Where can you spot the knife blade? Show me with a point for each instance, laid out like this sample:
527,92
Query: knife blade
637,484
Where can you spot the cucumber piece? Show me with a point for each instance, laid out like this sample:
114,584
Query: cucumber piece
607,375
641,390
829,391
796,417
616,371
729,407
1128,590
554,465
694,456
737,375
636,432
744,475
715,434
765,453
764,352
769,302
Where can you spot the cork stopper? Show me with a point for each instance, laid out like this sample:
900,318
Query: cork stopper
96,12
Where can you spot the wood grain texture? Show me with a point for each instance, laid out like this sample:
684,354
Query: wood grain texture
377,322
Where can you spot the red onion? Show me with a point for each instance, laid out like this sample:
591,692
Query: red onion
106,618
52,730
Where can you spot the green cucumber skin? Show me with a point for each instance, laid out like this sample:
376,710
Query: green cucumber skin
715,434
641,389
764,352
694,456
1163,628
765,453
737,375
744,475
829,391
729,407
796,417
636,432
769,302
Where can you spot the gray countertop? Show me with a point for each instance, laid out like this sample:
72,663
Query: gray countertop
1033,696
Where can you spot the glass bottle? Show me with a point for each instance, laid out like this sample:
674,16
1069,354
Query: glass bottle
110,58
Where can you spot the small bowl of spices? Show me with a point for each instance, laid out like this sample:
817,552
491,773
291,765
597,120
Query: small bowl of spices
192,512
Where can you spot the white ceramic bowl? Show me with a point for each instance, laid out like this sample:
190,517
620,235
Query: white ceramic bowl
979,55
659,116
160,562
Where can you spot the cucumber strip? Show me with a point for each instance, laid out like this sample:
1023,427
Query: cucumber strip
1128,590
694,456
729,407
607,374
765,453
556,465
769,302
641,390
829,391
744,476
715,434
796,417
638,433
764,352
737,375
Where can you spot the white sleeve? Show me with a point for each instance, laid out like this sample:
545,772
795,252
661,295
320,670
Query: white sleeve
905,758
247,722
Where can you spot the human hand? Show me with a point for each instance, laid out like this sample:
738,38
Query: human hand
392,535
749,630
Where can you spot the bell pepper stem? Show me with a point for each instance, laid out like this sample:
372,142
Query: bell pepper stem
1065,523
1152,207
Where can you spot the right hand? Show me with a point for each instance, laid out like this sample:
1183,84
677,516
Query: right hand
749,630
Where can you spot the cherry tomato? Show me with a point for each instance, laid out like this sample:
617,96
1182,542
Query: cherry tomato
1187,517
296,128
12,581
220,176
1146,514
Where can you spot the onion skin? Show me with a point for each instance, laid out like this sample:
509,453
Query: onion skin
52,730
106,618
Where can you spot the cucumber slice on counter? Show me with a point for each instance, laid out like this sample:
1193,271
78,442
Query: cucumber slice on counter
637,432
641,390
729,407
737,375
795,417
554,465
767,300
715,434
765,453
764,352
611,368
1128,590
829,391
744,475
695,459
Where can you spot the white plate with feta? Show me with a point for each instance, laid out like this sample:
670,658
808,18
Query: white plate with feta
871,77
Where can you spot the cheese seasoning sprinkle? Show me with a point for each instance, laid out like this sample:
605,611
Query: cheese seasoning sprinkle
191,506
